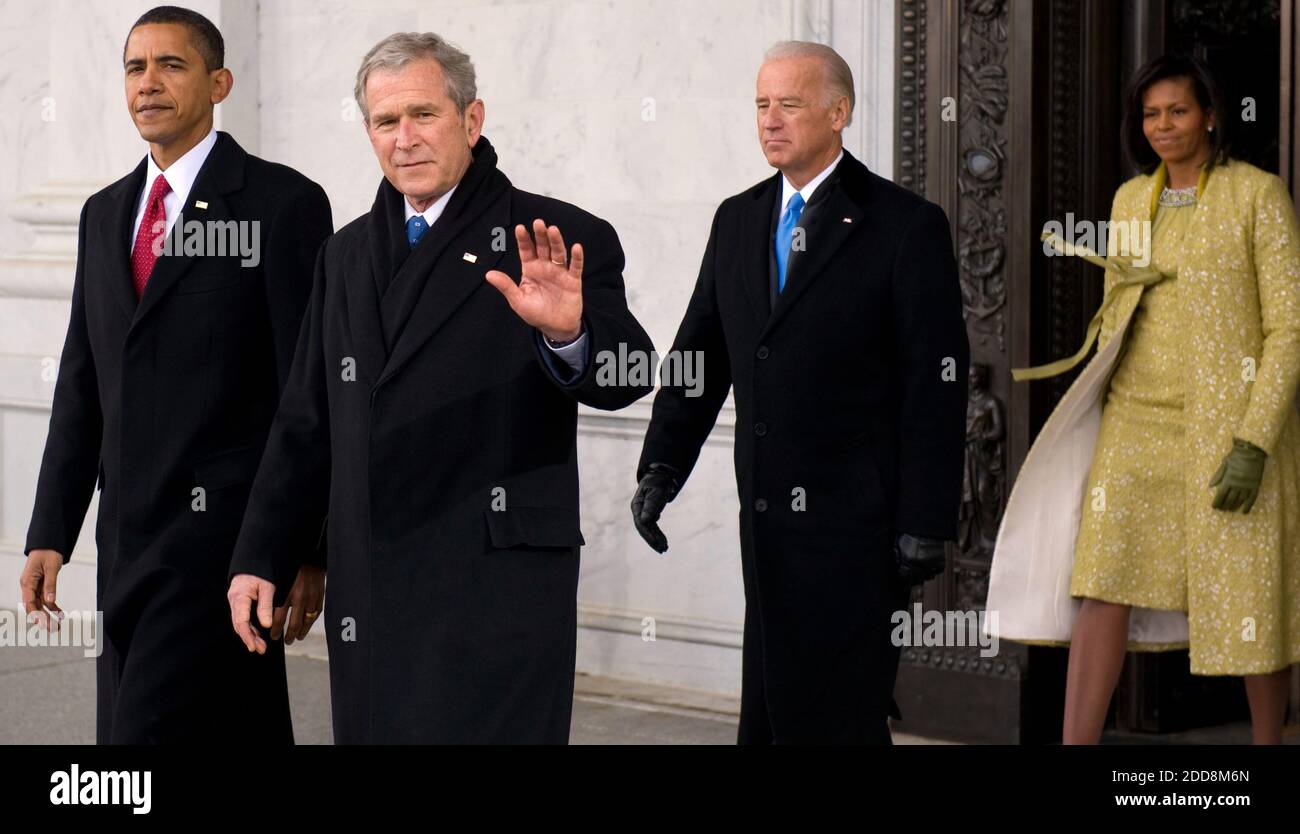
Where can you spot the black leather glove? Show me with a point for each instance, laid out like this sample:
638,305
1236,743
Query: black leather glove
657,487
918,558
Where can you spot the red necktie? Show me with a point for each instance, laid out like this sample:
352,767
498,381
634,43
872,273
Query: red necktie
142,256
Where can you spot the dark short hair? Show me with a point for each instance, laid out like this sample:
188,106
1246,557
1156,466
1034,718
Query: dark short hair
1208,92
204,37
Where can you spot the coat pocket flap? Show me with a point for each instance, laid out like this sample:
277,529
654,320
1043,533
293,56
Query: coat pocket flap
205,278
534,526
236,466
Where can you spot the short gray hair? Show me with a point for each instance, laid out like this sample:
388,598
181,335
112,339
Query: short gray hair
839,78
400,49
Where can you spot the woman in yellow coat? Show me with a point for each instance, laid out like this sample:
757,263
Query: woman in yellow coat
1179,446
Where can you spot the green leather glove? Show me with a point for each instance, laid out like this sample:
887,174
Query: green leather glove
1238,477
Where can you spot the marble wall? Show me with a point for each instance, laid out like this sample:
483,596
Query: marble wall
641,112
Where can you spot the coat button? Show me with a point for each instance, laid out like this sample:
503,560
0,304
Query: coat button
760,429
760,505
762,352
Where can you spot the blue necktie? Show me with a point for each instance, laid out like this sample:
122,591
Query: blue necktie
415,227
784,235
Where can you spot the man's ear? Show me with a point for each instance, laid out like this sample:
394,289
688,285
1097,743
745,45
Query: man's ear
840,113
474,115
223,81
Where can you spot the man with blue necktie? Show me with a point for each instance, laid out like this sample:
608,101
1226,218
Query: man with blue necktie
431,417
829,297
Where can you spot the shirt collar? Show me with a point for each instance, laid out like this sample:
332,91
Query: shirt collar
182,173
433,212
788,189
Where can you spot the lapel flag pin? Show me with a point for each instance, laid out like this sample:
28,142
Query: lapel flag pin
471,258
200,204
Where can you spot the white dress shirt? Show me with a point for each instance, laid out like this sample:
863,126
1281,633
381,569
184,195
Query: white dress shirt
788,189
433,212
180,175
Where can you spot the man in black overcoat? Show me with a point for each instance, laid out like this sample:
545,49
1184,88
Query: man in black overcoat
431,418
177,349
828,300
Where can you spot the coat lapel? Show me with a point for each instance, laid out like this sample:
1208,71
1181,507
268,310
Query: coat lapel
222,173
118,247
359,271
408,282
757,247
422,287
829,228
449,279
367,272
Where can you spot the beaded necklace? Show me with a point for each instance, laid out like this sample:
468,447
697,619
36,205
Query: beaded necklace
1178,196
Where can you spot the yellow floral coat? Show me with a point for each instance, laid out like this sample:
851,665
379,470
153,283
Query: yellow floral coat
1240,290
